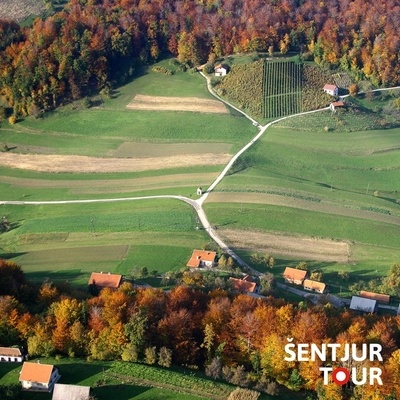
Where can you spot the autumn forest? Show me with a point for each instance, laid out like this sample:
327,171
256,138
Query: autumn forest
93,44
233,337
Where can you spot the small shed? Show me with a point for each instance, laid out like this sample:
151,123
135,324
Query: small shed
244,285
336,104
11,354
294,275
314,286
382,298
333,90
70,392
362,304
107,279
202,258
220,70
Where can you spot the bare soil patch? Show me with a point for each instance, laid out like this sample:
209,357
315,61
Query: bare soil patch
302,248
20,9
165,103
83,164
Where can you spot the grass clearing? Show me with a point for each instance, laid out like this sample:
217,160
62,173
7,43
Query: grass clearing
105,379
67,242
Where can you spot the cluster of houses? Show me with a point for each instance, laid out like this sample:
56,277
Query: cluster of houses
333,90
298,277
365,302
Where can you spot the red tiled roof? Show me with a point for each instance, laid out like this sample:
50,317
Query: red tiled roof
34,372
294,274
201,255
375,296
314,285
330,87
243,286
337,103
105,279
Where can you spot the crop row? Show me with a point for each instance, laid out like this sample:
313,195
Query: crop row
282,86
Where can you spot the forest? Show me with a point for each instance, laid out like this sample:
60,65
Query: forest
92,45
233,337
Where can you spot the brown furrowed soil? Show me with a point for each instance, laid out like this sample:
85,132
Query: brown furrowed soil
164,103
83,164
290,246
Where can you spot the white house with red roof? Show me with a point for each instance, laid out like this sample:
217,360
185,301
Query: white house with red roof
202,258
38,377
333,90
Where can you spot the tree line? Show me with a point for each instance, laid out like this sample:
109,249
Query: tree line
92,43
233,337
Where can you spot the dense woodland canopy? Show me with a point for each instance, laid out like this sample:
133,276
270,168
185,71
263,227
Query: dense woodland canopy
92,43
234,337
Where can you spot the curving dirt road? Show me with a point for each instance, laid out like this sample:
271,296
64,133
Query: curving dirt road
196,204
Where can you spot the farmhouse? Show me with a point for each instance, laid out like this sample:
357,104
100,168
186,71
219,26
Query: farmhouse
314,286
70,392
293,275
202,258
382,298
333,90
38,377
244,285
220,70
363,304
102,280
336,104
11,354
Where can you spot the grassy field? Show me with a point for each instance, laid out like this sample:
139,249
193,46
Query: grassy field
126,381
68,242
308,182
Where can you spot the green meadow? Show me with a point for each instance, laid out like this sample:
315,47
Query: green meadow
68,242
327,175
336,185
124,381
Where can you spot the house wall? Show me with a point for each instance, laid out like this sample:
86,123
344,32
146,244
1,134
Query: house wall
11,359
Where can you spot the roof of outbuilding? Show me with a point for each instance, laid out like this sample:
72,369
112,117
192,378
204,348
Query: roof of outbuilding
362,304
385,298
242,285
70,392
